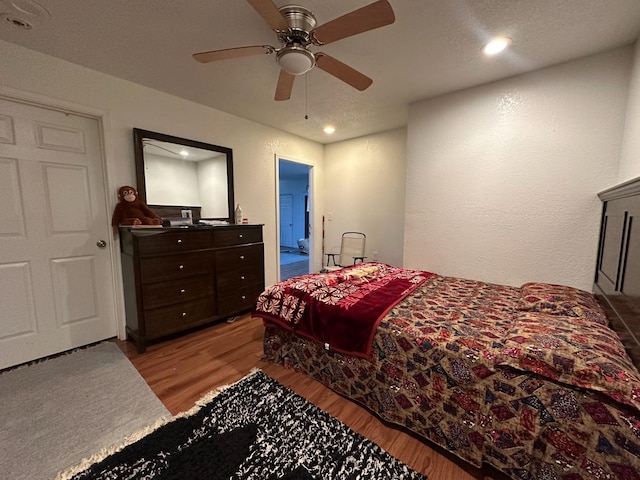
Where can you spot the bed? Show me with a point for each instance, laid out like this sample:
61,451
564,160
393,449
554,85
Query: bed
535,380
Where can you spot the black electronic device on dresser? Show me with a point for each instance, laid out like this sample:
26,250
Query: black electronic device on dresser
179,278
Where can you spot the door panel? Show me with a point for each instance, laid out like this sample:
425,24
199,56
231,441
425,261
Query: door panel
286,220
12,212
16,286
56,284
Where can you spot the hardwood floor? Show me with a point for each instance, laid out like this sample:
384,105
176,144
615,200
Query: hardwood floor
182,369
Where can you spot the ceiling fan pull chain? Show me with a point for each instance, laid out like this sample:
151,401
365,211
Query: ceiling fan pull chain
306,96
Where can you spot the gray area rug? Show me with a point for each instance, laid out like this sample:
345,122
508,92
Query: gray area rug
59,411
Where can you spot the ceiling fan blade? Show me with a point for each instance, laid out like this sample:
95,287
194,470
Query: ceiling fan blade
270,14
343,71
374,15
285,85
214,55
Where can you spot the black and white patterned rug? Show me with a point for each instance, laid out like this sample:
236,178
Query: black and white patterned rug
253,429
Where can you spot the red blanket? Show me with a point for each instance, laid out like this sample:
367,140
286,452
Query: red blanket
341,309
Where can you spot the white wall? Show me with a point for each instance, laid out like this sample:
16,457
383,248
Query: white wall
502,178
170,181
212,185
129,105
630,158
364,190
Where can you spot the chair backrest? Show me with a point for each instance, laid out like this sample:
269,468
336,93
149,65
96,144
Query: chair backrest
351,246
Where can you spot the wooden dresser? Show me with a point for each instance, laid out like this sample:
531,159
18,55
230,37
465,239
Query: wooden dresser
179,278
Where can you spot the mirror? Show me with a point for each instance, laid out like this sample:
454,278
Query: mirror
175,173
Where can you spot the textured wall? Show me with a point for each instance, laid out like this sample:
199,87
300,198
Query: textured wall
502,178
364,190
630,158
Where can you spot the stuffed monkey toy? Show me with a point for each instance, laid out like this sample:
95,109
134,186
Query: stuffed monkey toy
130,210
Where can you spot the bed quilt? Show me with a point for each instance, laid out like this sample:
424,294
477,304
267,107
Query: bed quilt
459,362
340,309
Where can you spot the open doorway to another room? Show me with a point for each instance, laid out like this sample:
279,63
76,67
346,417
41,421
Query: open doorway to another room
294,207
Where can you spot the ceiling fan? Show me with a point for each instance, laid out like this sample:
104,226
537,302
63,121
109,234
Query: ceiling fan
296,29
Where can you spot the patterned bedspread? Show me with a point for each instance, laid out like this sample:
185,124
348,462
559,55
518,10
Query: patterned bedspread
339,309
530,381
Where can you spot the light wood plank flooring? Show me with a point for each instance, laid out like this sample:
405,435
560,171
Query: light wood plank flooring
183,369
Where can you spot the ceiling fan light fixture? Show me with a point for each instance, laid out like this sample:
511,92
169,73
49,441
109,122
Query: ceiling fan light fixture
295,60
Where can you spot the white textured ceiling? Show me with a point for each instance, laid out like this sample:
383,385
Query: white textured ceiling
432,48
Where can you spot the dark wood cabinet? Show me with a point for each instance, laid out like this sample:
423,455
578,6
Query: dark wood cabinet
179,278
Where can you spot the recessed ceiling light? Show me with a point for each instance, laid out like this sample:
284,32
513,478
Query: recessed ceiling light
329,129
496,45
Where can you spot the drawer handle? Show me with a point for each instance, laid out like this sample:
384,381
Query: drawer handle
182,290
181,267
184,314
240,236
241,277
244,297
241,257
179,240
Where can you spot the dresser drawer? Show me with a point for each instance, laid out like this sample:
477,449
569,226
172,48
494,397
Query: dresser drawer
239,300
175,318
174,242
241,259
230,281
174,267
229,236
177,291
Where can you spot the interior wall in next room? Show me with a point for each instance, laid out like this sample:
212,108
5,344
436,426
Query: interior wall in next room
364,189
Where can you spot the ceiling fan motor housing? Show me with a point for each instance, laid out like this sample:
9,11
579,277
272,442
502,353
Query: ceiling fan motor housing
295,57
301,21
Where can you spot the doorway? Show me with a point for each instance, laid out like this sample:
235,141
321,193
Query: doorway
56,274
294,213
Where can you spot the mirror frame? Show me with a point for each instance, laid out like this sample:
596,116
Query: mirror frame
139,135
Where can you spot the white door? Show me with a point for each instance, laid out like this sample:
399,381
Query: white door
286,220
56,280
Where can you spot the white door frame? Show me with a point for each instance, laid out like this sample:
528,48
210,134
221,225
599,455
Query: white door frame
103,119
277,159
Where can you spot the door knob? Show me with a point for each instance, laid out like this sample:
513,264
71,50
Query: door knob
101,243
